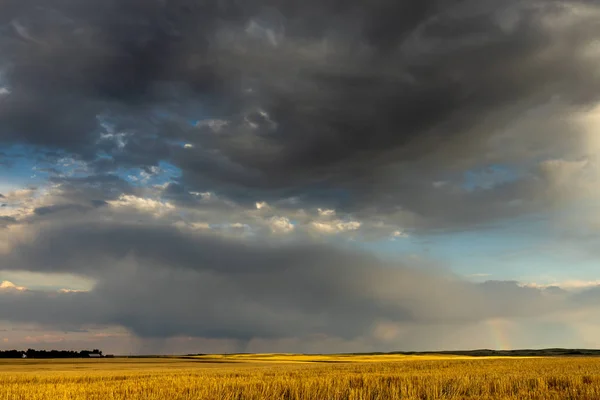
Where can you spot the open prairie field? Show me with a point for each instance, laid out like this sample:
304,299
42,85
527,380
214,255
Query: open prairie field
273,376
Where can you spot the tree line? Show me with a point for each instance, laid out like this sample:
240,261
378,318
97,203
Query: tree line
31,353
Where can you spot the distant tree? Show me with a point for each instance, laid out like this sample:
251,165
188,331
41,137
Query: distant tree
32,353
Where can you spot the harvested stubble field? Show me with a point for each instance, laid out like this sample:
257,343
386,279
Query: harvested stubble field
301,377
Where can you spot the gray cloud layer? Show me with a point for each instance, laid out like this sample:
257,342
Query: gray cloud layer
364,119
162,282
162,276
356,106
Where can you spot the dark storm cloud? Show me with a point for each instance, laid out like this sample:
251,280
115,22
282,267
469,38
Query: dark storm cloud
162,282
375,109
307,99
165,245
443,89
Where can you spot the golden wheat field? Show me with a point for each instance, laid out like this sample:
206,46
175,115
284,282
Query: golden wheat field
301,377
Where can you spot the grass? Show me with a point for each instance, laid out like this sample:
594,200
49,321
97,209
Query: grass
276,376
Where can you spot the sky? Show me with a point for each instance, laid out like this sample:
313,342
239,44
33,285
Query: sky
280,176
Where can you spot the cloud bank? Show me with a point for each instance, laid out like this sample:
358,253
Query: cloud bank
159,279
217,167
